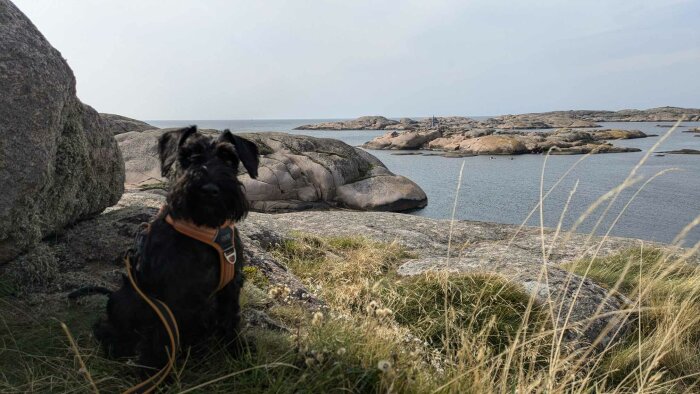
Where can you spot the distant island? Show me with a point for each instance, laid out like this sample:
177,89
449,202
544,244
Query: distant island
574,132
542,120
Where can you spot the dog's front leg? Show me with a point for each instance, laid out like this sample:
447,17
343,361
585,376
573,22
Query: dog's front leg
229,315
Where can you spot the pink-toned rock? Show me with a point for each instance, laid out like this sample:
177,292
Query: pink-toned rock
404,140
493,145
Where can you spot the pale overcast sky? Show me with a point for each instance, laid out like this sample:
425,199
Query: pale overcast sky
217,59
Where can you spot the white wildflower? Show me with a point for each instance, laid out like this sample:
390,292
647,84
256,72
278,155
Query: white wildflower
317,319
384,365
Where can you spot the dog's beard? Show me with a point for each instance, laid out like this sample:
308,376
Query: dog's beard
189,204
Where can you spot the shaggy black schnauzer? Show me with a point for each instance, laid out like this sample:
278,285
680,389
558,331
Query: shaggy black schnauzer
178,270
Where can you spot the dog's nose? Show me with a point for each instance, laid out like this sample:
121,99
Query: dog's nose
210,189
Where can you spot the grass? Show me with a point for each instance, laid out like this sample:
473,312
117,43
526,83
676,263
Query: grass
479,304
383,333
665,342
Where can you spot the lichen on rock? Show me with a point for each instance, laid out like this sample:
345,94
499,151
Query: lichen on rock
58,163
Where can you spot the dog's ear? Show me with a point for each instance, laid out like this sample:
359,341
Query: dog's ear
246,150
168,145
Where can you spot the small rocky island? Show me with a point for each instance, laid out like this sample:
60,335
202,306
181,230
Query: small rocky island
455,123
499,142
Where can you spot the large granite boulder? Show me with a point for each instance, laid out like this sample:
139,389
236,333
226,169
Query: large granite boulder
296,172
118,124
58,162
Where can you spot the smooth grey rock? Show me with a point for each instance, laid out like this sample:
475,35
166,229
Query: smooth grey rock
382,193
296,172
58,162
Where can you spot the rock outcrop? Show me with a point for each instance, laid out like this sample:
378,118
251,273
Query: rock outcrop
536,121
453,124
361,123
660,114
543,120
118,124
58,161
497,142
296,172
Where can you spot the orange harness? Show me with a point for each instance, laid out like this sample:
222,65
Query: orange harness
220,239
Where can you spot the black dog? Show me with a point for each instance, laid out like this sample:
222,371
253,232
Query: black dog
178,270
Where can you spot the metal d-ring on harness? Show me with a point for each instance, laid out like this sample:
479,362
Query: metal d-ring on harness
221,239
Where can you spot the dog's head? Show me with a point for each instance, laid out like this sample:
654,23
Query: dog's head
203,175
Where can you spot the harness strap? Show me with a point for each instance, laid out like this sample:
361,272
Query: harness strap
220,239
165,315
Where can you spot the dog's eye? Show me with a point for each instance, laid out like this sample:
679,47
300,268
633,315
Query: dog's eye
189,158
227,155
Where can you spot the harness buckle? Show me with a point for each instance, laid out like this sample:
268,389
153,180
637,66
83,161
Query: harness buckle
230,255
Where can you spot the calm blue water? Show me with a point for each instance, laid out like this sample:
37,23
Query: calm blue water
504,190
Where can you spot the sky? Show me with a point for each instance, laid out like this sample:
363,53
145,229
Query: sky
299,59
